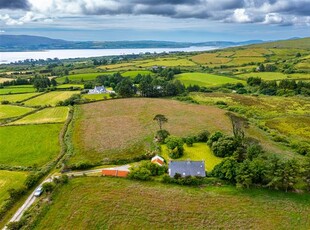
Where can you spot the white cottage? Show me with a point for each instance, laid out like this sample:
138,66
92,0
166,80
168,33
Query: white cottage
97,90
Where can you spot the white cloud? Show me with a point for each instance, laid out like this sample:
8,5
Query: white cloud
273,18
240,16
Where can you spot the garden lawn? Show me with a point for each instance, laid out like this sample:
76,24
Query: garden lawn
124,128
29,145
198,152
51,98
17,97
7,111
48,115
9,180
117,203
205,79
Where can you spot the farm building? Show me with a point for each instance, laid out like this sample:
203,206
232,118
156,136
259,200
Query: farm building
97,90
187,168
115,172
158,160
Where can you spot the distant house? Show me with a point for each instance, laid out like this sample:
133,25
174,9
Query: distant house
97,90
158,160
115,172
187,168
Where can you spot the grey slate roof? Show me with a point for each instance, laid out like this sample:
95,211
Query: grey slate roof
187,168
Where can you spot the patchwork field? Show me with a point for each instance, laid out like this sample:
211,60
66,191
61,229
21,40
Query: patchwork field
7,111
134,73
96,97
198,152
124,128
269,76
19,89
105,203
48,115
17,97
169,62
9,180
205,79
82,76
51,98
67,86
29,145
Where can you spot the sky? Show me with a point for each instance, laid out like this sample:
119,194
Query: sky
167,20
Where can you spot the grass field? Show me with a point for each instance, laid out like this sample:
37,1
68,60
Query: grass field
9,180
269,76
7,111
96,97
124,128
82,76
171,62
113,203
205,79
51,98
17,97
48,115
134,73
20,89
67,86
29,145
198,152
212,58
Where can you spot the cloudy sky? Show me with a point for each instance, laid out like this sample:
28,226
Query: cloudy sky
174,20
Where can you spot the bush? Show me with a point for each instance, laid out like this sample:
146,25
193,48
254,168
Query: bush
175,146
32,180
178,179
161,135
214,137
48,187
203,136
82,165
224,147
5,102
190,141
139,173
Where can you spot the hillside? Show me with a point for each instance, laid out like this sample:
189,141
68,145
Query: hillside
26,42
301,43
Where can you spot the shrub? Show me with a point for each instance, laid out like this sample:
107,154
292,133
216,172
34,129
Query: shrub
139,173
48,187
203,136
161,135
5,102
214,137
190,141
175,146
224,147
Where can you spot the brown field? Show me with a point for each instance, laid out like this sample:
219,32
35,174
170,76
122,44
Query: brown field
114,203
210,58
125,128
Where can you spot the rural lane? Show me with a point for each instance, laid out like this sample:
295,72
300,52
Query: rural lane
31,199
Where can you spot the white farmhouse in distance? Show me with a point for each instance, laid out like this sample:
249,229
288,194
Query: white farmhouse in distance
98,90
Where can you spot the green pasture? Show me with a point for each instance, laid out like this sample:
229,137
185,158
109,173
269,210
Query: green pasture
19,89
7,111
68,86
29,145
48,115
134,73
269,76
17,97
205,79
51,98
10,180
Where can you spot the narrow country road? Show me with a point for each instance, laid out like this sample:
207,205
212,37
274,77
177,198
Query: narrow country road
31,199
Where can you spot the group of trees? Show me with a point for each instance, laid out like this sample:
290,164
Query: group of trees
284,87
41,83
18,81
